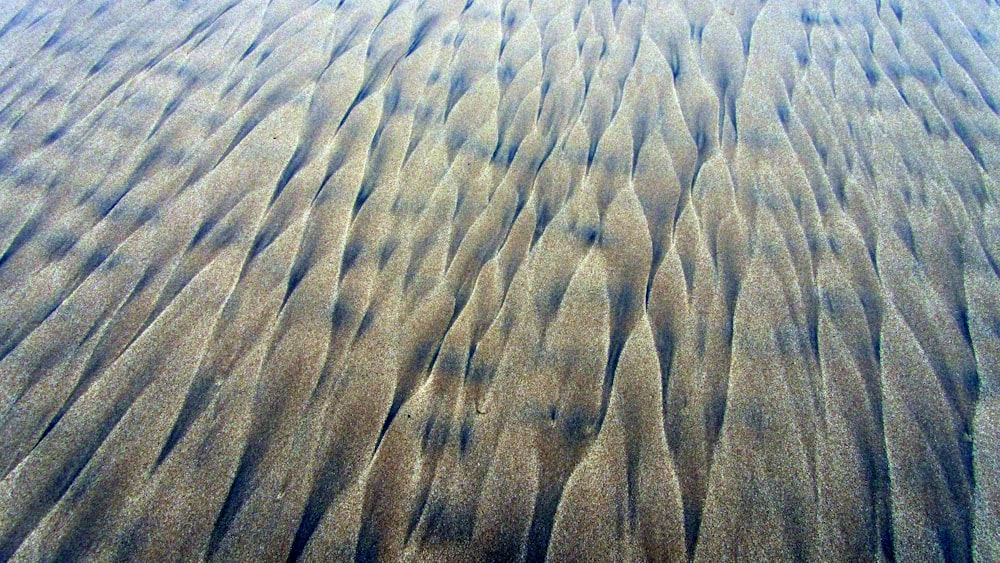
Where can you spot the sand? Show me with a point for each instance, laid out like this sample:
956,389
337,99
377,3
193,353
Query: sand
439,280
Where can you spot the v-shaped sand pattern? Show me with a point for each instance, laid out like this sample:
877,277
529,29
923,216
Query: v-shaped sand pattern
499,280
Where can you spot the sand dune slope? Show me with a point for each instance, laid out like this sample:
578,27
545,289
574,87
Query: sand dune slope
510,280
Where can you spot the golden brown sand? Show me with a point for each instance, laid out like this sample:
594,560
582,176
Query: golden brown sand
500,280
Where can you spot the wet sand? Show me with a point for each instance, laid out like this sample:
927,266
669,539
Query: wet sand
512,280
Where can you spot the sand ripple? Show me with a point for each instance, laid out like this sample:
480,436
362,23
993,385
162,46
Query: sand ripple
593,280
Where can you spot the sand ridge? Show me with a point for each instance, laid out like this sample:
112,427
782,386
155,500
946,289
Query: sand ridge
507,280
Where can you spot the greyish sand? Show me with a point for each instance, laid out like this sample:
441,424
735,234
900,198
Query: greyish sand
508,280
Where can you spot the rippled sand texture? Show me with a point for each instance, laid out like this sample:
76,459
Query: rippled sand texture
435,281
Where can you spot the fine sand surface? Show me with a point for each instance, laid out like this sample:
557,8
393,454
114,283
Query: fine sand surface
500,280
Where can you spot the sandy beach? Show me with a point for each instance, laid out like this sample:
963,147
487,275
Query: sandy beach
500,280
